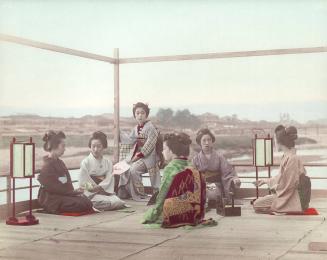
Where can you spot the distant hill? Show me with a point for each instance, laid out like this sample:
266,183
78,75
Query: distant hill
322,121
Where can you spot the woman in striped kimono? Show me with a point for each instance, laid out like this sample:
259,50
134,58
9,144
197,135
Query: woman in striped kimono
285,197
143,157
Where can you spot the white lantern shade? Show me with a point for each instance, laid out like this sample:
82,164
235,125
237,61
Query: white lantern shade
269,155
29,157
263,154
23,160
260,152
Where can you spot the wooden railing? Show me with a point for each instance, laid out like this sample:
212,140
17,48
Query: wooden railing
6,209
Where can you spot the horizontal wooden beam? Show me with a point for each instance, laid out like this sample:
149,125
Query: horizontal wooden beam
55,48
201,56
223,55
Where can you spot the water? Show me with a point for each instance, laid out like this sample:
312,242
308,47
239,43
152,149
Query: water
311,171
22,195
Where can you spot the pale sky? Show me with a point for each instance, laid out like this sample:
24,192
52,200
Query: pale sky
47,83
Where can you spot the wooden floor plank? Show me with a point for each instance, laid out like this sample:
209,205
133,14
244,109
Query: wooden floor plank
119,235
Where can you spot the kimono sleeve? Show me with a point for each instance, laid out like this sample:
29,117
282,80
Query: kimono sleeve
150,143
84,176
108,184
50,180
195,162
289,178
153,214
273,181
225,168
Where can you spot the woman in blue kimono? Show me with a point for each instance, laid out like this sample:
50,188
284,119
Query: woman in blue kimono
214,165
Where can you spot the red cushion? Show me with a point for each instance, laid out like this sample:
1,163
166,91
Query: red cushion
308,211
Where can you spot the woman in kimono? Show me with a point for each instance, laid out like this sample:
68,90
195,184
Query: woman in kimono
57,194
181,197
285,197
143,157
96,176
214,166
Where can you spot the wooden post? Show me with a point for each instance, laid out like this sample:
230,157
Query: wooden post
116,105
8,195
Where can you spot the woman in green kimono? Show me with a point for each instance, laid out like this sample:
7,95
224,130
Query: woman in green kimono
181,197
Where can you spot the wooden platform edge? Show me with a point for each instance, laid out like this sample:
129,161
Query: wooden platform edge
241,193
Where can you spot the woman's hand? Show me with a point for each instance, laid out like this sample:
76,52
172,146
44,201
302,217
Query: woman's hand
101,177
237,183
135,158
96,189
78,191
259,182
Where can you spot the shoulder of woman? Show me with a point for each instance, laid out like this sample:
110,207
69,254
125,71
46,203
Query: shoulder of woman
48,165
196,157
218,154
85,162
292,159
149,125
170,168
48,161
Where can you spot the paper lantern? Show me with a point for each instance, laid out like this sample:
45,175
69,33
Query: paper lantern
22,165
263,152
262,156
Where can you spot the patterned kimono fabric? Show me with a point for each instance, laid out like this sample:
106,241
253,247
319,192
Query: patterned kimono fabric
99,172
285,196
56,194
144,139
181,197
216,169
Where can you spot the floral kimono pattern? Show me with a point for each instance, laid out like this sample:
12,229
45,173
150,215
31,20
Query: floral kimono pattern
181,197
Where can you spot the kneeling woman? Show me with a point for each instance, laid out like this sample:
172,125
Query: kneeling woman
57,194
214,166
181,197
96,176
285,197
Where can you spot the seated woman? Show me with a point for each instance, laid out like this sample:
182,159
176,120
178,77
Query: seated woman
143,158
285,196
214,166
96,176
181,197
57,194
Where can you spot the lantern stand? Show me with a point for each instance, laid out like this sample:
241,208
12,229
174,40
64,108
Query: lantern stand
22,165
262,157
